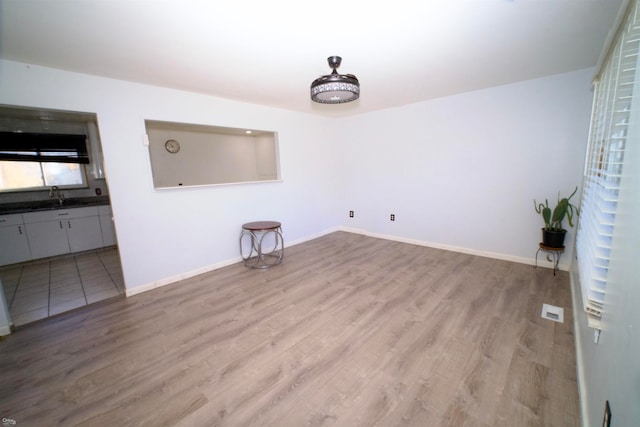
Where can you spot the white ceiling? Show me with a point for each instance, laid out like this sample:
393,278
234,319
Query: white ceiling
269,52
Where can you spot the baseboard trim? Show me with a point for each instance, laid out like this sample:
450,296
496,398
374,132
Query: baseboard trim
582,391
5,330
169,280
486,254
173,279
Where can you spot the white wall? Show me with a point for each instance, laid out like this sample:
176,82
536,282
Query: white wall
610,369
461,172
166,233
458,172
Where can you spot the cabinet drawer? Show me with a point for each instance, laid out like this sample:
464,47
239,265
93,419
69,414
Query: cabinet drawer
58,214
12,219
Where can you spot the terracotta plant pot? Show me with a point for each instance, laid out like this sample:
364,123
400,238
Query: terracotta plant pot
553,238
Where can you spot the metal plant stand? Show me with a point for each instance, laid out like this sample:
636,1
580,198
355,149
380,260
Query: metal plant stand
553,255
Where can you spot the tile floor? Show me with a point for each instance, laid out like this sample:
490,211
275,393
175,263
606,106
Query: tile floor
37,290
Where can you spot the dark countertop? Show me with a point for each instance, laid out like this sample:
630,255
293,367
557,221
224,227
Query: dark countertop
43,205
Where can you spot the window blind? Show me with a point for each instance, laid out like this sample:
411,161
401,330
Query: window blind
41,147
613,112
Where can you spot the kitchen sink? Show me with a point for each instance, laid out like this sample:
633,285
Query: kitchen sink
53,204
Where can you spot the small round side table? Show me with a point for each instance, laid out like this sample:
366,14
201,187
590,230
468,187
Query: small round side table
553,254
261,244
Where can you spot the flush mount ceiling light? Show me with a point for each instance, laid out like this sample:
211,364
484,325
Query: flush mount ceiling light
335,88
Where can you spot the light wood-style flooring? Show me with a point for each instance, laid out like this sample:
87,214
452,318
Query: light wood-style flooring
348,331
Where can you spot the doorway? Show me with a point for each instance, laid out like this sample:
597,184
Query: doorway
36,288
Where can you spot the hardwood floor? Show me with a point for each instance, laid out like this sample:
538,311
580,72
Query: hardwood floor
348,331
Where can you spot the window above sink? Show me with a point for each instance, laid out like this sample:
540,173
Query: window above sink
62,149
40,148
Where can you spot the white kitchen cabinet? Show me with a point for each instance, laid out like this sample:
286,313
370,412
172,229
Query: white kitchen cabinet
14,246
47,239
84,233
107,226
61,231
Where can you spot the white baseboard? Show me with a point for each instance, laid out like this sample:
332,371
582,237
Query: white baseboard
5,330
169,280
582,391
486,254
173,279
313,236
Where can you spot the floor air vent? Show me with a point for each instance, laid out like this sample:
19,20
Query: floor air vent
552,312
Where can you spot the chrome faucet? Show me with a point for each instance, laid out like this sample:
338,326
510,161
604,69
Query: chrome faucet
55,192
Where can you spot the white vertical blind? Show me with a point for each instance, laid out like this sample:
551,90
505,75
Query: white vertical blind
613,112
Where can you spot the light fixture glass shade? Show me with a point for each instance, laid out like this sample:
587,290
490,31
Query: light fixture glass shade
335,88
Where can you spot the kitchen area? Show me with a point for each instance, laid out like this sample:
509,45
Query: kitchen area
58,245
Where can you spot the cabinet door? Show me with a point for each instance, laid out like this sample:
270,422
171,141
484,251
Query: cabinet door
14,246
47,238
108,230
84,233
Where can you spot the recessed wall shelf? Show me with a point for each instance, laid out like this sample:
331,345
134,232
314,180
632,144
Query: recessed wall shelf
200,155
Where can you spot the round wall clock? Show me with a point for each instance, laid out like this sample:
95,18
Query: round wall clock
172,146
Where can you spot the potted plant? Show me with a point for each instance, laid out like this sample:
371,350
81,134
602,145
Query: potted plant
553,232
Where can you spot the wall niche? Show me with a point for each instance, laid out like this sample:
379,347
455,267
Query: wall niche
189,155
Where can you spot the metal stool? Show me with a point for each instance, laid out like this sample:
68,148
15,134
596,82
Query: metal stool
262,253
553,254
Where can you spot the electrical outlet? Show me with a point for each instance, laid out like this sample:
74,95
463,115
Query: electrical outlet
350,214
393,217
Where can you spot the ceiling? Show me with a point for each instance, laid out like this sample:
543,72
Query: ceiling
269,52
